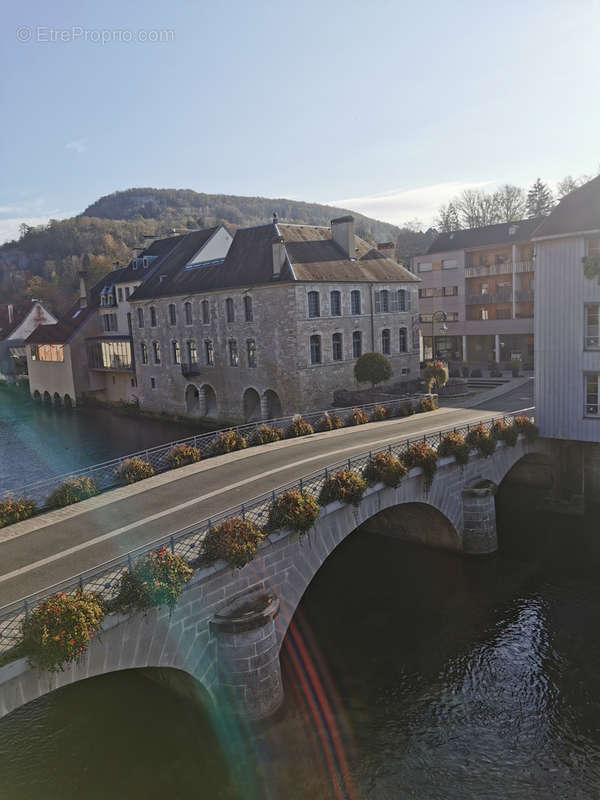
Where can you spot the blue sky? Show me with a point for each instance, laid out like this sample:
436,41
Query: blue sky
385,107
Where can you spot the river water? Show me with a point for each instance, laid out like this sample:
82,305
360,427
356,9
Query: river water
409,673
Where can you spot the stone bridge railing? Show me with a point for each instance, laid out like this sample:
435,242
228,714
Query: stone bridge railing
239,654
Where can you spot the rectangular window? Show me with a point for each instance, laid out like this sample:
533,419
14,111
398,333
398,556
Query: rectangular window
188,313
386,346
448,263
110,355
335,304
450,291
355,302
483,313
403,340
176,353
109,322
336,346
172,314
592,328
51,352
591,394
205,312
427,292
140,315
314,305
251,351
229,310
248,311
356,344
153,383
425,318
315,349
234,356
192,352
120,294
425,266
451,316
156,352
144,352
152,317
209,353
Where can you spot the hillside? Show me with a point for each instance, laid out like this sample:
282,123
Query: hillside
44,261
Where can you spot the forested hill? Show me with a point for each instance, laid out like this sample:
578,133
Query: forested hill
43,263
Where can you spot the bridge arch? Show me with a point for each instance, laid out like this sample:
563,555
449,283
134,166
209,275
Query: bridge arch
57,399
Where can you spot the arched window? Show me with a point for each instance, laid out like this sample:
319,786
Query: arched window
229,310
172,314
152,317
356,344
140,316
355,302
314,305
144,352
156,352
386,342
403,300
248,308
176,352
205,312
188,313
403,340
336,347
315,349
335,304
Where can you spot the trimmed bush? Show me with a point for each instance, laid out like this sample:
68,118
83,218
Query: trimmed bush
505,433
227,442
347,486
329,422
236,541
357,417
182,454
454,444
14,509
527,427
155,580
435,375
72,491
372,368
421,454
426,404
299,427
265,434
406,410
133,470
293,509
478,438
384,468
60,629
378,414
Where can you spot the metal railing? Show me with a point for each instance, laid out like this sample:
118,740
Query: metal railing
104,579
506,268
105,473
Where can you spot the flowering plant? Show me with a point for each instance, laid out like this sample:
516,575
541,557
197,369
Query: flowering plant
379,413
134,469
347,486
227,442
406,410
505,433
386,468
299,427
157,579
454,444
357,417
421,454
329,422
478,438
236,540
426,404
60,629
293,509
527,427
72,491
265,434
181,454
14,509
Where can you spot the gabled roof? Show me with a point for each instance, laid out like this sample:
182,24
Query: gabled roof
577,212
487,236
63,330
7,326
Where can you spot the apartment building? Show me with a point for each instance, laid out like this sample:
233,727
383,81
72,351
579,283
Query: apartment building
476,295
273,327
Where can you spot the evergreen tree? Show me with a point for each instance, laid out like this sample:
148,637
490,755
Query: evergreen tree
447,220
539,200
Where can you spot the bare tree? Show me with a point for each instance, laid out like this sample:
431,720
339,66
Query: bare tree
476,208
511,203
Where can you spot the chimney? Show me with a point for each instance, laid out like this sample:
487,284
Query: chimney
342,233
278,246
10,313
83,299
388,249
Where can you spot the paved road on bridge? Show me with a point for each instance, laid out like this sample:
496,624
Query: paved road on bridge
53,547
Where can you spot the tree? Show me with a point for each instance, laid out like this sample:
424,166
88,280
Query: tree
511,203
477,208
539,200
372,368
447,220
435,375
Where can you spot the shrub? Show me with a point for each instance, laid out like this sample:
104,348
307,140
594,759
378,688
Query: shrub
406,410
236,541
227,442
372,368
378,414
421,454
384,468
60,628
72,491
155,580
435,375
293,509
476,373
505,433
133,470
478,438
347,486
14,509
527,427
454,444
357,417
265,434
299,427
426,404
329,422
181,454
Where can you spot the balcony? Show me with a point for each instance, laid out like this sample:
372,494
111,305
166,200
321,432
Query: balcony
191,370
488,298
507,268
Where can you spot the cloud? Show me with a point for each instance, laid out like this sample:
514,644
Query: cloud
77,145
401,205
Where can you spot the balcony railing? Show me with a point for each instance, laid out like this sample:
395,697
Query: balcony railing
500,296
507,268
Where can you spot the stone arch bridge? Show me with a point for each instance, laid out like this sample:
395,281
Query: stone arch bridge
229,625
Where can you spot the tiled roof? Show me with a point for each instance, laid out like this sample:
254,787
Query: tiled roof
489,235
61,331
578,211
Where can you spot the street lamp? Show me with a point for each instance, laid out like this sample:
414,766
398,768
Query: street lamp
443,327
